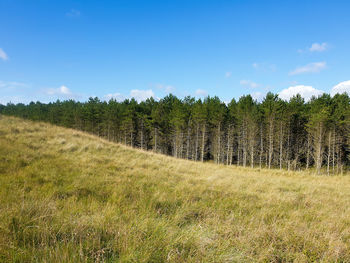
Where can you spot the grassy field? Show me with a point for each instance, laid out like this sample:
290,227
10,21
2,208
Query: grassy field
66,196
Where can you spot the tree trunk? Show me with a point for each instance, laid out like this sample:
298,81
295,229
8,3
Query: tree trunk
244,147
109,131
231,148
228,145
203,142
270,142
196,145
319,149
131,139
308,151
329,151
281,145
219,144
288,147
261,146
175,145
180,155
142,135
252,155
239,149
334,142
155,139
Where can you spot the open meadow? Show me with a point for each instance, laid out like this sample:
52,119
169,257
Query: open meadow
67,196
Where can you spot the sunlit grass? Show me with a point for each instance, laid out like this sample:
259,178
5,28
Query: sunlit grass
66,196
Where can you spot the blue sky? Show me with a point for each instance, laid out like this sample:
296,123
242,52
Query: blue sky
77,49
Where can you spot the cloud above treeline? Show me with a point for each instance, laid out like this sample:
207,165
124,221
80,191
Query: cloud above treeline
201,93
63,90
165,88
115,96
137,94
22,92
307,92
141,95
340,88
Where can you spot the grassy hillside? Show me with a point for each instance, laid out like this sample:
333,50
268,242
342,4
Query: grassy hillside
66,196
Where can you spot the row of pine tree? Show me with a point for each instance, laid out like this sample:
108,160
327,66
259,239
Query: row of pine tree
273,133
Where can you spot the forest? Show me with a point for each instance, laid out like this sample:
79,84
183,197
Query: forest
273,133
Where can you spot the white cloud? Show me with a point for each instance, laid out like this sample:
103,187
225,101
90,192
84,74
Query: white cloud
316,47
3,55
73,13
259,96
63,90
309,68
249,84
141,95
117,96
341,88
305,91
201,92
166,88
228,74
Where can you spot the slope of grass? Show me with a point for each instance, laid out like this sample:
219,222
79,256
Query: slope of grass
66,196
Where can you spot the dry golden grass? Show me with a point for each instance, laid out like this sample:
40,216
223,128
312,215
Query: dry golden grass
66,196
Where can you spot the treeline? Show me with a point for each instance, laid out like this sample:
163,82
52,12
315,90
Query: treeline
273,133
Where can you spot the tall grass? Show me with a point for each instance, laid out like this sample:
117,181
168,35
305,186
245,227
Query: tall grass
66,196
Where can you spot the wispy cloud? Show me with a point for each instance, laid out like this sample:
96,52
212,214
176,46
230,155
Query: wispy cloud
12,85
305,91
316,47
3,55
249,84
166,88
139,95
342,87
201,92
73,13
116,96
266,67
228,74
315,67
